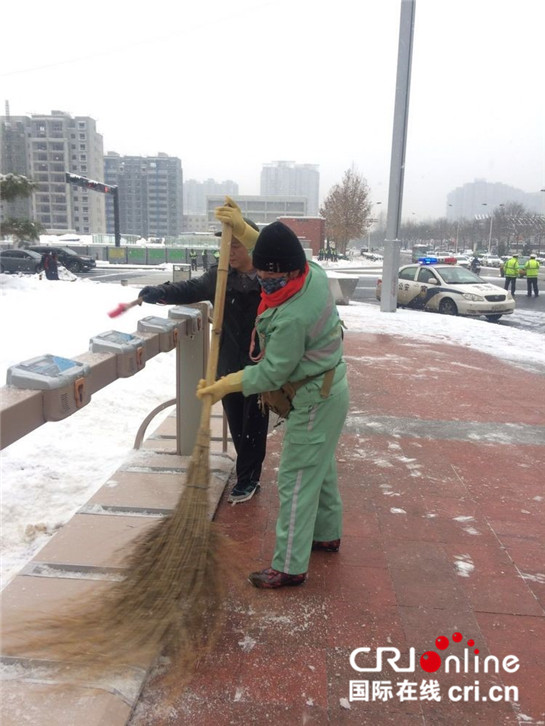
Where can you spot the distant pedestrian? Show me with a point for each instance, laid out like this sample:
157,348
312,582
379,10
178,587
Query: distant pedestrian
205,264
511,272
51,266
475,265
532,268
193,259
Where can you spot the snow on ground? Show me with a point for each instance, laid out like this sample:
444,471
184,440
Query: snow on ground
520,347
50,473
47,475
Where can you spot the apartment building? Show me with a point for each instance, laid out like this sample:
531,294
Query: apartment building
286,178
44,148
14,159
150,191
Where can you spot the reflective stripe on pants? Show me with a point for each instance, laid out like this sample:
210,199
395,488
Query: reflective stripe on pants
310,503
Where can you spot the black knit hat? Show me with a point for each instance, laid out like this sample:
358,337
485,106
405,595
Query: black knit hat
248,221
278,250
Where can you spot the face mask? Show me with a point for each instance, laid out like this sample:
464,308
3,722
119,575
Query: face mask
272,284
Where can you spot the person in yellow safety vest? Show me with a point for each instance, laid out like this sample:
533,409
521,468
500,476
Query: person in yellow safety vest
532,268
193,259
511,272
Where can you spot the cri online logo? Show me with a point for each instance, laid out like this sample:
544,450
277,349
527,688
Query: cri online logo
431,661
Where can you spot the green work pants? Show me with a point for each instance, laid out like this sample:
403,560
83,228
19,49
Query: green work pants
310,503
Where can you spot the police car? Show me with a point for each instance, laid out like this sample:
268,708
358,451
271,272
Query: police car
450,289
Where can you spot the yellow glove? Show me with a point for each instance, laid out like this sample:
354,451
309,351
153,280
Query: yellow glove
232,383
231,214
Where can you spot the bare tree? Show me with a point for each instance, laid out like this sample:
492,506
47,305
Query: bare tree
513,226
347,210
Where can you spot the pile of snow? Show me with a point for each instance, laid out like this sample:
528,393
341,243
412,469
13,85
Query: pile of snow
51,472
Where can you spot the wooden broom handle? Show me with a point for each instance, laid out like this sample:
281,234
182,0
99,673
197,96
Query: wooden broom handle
219,304
217,322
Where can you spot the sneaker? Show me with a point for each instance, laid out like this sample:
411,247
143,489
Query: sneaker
270,579
243,492
331,546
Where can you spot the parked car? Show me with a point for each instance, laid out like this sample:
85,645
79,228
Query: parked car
463,260
451,290
72,260
17,260
491,261
371,256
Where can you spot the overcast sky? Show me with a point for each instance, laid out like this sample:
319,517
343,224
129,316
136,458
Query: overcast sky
228,86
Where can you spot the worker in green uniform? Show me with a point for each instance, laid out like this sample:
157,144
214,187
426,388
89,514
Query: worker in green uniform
300,340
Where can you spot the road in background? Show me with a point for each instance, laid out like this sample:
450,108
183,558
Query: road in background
529,313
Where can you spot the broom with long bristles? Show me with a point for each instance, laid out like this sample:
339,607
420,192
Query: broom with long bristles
172,593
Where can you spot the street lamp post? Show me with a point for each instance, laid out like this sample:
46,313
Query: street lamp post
457,233
371,221
484,204
490,230
392,244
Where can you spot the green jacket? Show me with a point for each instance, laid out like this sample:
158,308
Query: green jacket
302,337
511,267
532,267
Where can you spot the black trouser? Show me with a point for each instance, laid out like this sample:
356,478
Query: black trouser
532,285
510,281
248,426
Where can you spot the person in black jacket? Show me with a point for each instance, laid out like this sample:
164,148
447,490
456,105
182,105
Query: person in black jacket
248,424
51,266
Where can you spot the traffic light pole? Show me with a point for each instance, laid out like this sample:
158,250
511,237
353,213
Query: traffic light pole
117,233
96,186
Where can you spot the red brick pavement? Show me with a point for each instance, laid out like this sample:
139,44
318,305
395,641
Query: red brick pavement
441,472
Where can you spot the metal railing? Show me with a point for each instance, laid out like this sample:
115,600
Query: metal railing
37,399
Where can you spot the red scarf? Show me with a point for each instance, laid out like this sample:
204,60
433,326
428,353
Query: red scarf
274,300
280,296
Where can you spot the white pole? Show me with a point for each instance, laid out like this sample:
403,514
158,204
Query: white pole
392,244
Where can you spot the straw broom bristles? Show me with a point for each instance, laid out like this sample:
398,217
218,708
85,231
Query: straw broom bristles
174,587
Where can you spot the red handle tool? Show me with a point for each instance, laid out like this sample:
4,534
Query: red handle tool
123,307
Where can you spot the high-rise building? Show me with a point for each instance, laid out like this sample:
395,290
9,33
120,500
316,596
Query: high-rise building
480,198
150,192
44,148
14,160
195,193
286,178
